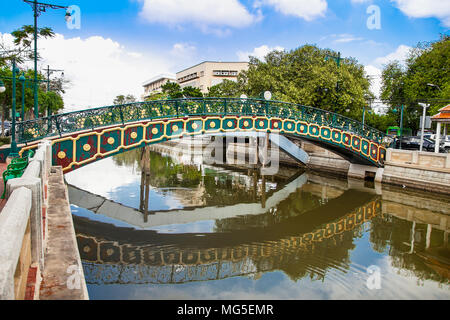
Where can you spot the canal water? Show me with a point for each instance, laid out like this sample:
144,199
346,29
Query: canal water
154,226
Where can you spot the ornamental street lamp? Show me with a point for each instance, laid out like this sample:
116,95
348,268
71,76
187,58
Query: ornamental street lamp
38,8
337,58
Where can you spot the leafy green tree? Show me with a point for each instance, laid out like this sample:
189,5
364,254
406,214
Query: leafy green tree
157,96
172,89
304,76
227,88
425,76
122,99
51,100
191,92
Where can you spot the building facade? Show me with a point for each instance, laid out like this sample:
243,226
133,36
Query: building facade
154,85
209,73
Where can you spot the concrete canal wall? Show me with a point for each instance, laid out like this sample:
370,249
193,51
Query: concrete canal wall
420,170
27,234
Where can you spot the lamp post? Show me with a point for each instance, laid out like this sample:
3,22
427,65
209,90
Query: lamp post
38,8
25,84
22,80
335,58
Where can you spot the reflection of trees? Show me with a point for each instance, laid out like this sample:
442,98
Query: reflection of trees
395,236
218,188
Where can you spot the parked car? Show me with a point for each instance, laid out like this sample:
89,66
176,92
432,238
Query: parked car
7,128
444,139
413,143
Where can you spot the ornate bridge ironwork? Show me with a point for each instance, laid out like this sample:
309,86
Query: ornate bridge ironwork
85,136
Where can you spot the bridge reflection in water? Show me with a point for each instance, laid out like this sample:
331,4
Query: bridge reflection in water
307,227
111,262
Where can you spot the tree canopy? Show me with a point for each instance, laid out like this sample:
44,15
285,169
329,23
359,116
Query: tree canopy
424,76
122,99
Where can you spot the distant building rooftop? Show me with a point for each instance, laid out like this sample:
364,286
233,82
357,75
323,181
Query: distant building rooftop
158,77
243,62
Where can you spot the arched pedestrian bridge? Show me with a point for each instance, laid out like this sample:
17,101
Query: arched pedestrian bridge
82,137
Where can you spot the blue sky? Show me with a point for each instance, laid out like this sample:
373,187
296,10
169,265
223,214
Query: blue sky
124,42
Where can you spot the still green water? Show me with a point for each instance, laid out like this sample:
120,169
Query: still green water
151,226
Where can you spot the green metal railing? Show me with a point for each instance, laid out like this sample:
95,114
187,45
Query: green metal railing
66,123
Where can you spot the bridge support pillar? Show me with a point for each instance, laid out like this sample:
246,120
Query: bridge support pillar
359,171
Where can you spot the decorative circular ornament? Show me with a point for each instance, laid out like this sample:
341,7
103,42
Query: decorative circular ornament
212,125
87,147
246,123
61,155
195,126
261,123
174,128
155,130
275,125
111,140
133,135
230,124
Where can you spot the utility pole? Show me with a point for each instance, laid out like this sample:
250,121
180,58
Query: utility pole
49,71
38,8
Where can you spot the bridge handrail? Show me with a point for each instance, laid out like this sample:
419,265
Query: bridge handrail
89,119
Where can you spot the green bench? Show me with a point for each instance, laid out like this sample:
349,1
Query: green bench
16,169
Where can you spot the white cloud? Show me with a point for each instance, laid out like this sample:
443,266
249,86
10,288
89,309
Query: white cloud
425,9
183,50
259,52
400,54
99,68
305,9
345,38
374,74
202,13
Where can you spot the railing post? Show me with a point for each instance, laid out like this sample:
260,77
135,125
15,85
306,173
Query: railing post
177,108
121,114
225,106
57,125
